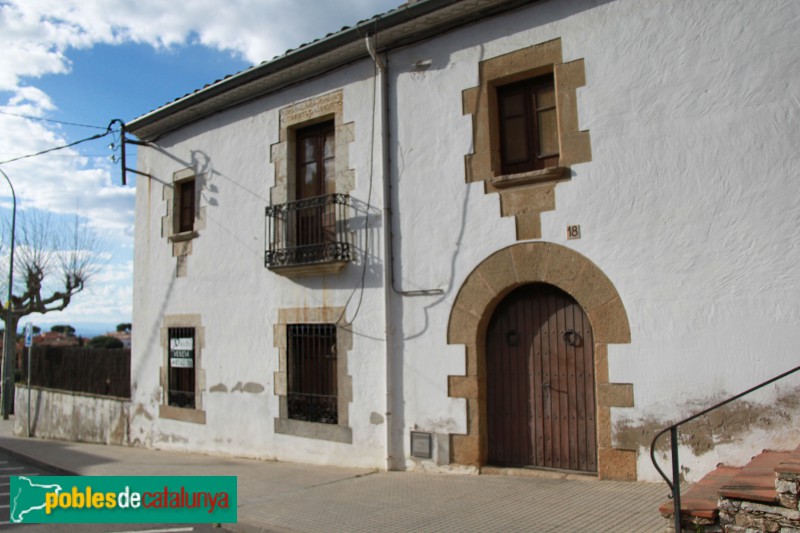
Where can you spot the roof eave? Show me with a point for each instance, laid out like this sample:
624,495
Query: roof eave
221,95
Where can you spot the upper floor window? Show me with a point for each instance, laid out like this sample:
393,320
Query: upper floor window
185,205
315,161
528,125
316,154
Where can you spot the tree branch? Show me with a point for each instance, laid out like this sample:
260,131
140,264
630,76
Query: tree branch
44,257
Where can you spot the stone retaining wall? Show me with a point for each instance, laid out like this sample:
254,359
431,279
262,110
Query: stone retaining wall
64,415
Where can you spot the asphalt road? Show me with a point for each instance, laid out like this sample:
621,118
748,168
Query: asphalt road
12,466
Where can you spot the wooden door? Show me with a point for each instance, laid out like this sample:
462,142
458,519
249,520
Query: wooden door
540,382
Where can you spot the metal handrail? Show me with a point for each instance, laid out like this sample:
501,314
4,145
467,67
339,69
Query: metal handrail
675,485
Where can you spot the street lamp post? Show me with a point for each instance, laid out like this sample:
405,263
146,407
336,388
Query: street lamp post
8,338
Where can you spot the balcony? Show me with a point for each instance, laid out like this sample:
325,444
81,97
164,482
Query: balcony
309,236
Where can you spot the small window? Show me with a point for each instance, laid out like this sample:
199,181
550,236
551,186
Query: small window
185,205
312,393
528,125
181,367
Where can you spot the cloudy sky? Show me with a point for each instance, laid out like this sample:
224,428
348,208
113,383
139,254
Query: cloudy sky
69,67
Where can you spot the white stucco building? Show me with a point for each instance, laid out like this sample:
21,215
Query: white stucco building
492,232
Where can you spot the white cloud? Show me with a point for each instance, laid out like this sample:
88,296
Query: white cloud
32,101
63,182
37,34
37,38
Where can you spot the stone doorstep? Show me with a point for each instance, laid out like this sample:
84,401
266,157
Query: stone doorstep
790,465
748,493
701,499
756,481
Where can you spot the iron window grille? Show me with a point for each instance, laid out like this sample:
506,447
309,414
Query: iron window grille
181,382
312,364
307,231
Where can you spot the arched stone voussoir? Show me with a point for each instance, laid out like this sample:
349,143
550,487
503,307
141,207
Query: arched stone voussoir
539,262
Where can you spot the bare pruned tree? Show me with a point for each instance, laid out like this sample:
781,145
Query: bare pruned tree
52,263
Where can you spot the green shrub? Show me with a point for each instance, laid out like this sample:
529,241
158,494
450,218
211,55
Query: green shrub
105,342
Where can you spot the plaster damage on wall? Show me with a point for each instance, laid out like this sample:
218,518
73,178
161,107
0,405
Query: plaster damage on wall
141,411
170,438
706,441
249,387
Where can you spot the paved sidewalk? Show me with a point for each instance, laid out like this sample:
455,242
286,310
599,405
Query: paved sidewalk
289,497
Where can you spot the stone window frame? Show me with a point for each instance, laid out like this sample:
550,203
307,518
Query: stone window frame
196,415
525,195
170,223
284,425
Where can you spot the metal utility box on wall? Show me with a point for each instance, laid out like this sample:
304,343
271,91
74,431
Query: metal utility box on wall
421,445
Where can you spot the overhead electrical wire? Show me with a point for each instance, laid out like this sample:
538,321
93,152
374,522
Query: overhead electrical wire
65,155
108,131
31,117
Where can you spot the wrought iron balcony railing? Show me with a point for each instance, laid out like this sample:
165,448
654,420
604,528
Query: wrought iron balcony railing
311,231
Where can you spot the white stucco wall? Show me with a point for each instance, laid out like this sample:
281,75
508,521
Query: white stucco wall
238,298
689,206
695,167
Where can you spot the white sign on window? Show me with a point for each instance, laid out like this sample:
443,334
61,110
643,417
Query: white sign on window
181,362
181,352
181,343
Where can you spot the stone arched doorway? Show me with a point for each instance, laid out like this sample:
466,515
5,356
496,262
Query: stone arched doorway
487,285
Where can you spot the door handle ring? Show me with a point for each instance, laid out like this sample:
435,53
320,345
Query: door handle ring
572,338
